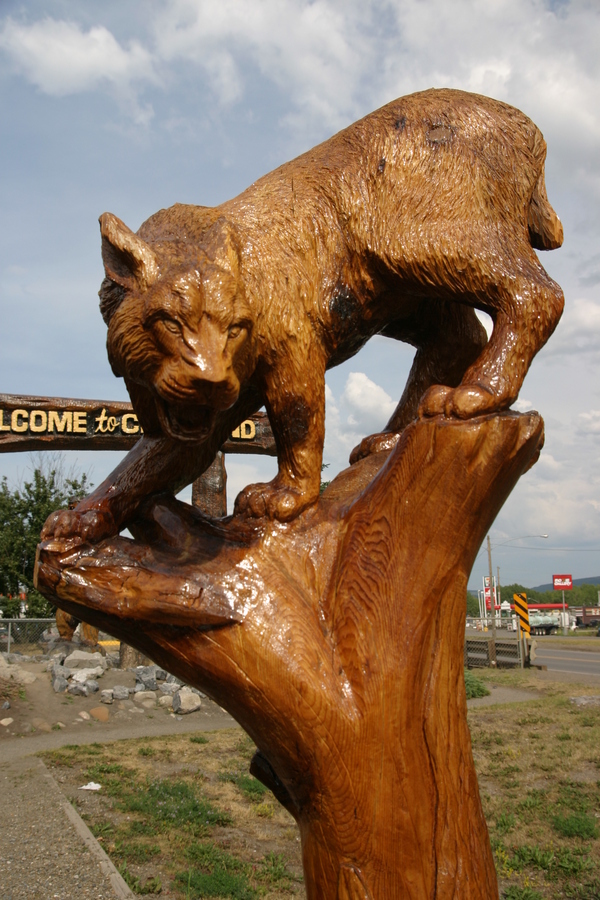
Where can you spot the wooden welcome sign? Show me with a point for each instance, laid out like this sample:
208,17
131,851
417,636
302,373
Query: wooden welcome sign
58,423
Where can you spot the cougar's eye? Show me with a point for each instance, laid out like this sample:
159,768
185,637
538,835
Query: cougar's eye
235,331
171,325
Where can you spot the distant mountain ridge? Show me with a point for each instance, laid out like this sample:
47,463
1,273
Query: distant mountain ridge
593,579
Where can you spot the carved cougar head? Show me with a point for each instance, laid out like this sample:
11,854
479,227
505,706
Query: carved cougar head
178,322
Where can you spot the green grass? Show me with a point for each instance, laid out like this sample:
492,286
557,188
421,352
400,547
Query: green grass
198,739
174,801
575,825
521,893
251,787
168,821
475,686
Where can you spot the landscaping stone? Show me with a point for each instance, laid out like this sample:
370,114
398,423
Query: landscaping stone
41,725
166,701
172,679
60,684
6,722
141,696
586,701
169,688
80,659
84,715
91,685
80,676
107,696
100,713
79,690
120,692
186,701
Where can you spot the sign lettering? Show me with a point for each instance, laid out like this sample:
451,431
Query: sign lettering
562,582
44,423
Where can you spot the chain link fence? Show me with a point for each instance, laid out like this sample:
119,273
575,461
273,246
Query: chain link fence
30,636
25,635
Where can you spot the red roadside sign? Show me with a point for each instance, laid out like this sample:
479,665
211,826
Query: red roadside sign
562,582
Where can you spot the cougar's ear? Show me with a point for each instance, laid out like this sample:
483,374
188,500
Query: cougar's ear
128,260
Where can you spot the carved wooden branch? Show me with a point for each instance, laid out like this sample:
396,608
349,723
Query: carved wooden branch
337,642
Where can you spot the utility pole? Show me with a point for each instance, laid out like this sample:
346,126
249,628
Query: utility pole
492,599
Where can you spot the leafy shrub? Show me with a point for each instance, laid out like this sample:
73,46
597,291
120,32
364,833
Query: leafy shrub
475,686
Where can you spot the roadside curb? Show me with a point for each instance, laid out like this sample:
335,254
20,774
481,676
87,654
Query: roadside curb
118,884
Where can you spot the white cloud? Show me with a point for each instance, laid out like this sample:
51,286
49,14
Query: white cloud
578,332
522,405
367,400
589,422
61,58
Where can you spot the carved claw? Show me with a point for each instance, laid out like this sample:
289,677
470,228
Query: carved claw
84,525
463,402
273,500
374,443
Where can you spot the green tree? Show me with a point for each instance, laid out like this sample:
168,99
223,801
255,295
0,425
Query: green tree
23,512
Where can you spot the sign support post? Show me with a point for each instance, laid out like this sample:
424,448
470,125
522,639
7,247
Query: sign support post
563,583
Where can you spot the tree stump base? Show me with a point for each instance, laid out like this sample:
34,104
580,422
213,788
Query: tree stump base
336,641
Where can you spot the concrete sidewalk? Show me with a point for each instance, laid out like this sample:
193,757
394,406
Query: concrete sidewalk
46,850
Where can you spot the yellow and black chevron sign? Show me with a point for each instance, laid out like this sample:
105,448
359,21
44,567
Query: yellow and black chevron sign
522,610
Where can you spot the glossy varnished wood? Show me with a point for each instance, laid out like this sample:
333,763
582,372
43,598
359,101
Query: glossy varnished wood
336,640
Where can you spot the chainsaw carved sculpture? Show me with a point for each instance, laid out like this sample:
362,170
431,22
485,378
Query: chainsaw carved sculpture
331,627
400,225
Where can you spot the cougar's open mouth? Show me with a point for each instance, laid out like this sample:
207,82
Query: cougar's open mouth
186,421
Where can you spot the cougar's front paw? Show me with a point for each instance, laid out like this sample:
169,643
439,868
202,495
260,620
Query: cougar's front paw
374,443
433,401
86,524
463,402
275,501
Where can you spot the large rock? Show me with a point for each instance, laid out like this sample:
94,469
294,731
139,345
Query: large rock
80,676
107,696
186,701
60,684
80,659
15,673
166,700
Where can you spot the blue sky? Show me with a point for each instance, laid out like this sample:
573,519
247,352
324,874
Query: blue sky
129,107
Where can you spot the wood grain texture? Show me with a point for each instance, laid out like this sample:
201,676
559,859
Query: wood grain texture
336,641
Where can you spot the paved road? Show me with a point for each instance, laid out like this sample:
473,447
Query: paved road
580,662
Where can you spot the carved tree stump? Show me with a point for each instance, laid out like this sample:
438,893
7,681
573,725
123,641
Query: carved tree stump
336,641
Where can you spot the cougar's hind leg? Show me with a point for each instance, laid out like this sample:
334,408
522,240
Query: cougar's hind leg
449,337
526,308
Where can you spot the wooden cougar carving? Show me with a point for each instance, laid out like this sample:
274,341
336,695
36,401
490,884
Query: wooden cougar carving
402,224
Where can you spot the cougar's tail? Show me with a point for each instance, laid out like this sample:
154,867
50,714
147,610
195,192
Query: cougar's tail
545,228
